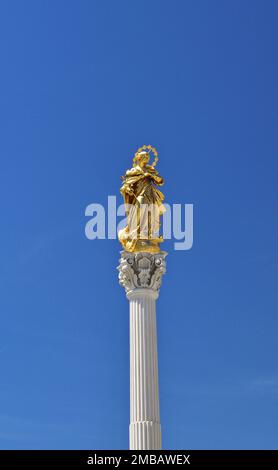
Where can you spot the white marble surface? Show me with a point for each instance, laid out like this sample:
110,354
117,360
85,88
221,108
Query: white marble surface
140,274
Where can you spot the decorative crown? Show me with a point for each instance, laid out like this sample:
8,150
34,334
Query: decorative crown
148,149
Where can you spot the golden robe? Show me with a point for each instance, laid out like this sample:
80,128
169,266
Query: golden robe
143,206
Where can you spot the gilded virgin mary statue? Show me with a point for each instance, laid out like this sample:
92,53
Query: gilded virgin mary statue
143,203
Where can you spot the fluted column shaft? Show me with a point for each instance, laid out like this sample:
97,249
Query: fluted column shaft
144,429
140,274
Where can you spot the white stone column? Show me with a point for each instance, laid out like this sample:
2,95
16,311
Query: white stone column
140,274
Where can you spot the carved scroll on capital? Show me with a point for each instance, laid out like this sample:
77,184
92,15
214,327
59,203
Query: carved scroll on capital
141,270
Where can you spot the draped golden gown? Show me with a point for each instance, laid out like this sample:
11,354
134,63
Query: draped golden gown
144,207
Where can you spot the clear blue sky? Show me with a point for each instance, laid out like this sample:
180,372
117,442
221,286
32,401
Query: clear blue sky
82,85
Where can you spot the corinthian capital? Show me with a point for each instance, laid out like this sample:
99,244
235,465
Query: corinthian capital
141,270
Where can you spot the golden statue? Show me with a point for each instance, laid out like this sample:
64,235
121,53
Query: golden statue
143,203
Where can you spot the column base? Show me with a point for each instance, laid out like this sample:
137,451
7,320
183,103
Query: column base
145,435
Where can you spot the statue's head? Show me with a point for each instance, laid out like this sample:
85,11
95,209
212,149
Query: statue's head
142,156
